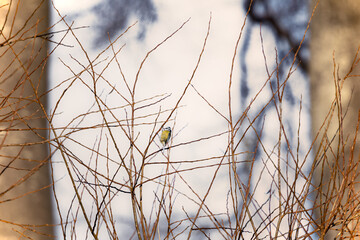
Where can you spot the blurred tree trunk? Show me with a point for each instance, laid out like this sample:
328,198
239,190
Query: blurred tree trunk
335,28
25,189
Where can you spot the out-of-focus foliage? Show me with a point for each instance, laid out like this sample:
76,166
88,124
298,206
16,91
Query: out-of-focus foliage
114,16
288,21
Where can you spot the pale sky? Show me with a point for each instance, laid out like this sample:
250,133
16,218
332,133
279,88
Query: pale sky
166,72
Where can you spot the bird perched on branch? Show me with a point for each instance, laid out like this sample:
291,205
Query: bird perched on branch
165,136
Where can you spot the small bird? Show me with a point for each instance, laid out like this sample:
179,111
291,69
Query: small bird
165,136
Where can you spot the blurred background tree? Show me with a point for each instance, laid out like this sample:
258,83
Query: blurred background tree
334,33
334,70
25,186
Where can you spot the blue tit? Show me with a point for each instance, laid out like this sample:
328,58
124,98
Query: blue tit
165,136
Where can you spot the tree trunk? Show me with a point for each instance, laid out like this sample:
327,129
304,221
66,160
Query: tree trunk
335,28
25,189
